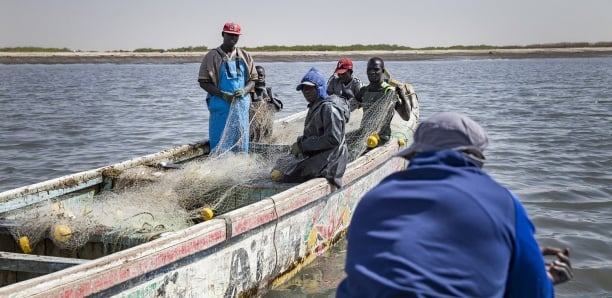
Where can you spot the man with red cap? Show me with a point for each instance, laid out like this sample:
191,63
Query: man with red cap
227,74
344,84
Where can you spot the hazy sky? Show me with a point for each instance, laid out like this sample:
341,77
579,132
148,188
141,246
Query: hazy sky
129,24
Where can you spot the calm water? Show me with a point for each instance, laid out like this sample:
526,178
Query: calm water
549,120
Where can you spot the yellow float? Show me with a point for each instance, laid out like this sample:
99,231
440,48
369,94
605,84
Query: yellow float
24,243
373,140
206,214
62,233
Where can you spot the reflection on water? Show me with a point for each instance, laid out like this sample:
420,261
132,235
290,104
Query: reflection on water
318,279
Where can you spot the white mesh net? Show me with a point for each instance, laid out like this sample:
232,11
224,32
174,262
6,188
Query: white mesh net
148,201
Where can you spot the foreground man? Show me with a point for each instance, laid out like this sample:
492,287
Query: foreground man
444,228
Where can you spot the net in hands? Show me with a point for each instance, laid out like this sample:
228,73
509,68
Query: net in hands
147,202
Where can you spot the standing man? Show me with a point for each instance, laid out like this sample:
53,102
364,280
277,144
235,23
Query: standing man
321,150
344,84
444,228
227,74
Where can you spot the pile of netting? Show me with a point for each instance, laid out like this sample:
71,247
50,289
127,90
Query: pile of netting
147,201
376,119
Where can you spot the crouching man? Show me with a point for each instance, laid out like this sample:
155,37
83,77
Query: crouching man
321,151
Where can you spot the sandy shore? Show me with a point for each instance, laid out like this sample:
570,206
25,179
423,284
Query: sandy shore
196,57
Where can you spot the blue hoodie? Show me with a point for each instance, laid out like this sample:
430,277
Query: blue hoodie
442,228
314,76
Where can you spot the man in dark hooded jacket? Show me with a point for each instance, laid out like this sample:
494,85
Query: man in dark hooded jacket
444,228
321,151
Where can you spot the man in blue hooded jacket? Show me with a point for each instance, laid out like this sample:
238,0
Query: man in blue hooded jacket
444,228
321,150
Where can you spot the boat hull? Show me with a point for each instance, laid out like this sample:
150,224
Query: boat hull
241,253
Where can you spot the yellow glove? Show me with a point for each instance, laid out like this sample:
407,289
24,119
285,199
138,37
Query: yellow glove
295,149
276,175
227,96
239,93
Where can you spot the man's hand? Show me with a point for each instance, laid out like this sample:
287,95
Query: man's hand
227,96
400,94
239,93
559,270
347,94
295,149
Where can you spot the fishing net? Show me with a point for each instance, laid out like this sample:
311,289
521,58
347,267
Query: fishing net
261,117
373,127
144,204
68,225
148,201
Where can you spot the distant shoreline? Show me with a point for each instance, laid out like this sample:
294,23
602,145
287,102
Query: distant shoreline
196,57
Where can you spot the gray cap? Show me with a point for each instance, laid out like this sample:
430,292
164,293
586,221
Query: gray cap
449,130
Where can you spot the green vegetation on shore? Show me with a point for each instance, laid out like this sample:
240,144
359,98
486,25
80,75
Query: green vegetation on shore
34,49
355,47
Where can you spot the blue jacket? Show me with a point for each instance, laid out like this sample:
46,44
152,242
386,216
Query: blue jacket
442,228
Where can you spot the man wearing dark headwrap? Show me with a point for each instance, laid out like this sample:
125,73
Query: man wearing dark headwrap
321,150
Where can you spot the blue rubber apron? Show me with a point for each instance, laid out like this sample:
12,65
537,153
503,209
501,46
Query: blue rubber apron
235,125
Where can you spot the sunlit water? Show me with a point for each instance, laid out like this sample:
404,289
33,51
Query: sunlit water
549,121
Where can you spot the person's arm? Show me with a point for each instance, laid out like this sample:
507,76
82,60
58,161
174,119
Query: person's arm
249,86
359,98
528,276
210,88
252,76
278,104
214,91
559,270
330,88
402,106
207,76
356,85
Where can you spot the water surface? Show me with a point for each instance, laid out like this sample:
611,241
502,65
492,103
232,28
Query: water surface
549,121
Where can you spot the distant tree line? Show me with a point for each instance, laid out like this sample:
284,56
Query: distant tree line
34,49
183,49
323,48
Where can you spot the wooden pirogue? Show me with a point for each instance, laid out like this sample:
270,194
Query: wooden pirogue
242,252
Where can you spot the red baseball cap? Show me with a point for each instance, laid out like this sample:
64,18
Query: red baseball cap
344,64
232,28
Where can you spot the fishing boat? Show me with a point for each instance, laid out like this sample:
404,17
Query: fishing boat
268,235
